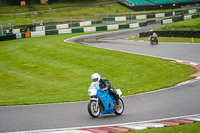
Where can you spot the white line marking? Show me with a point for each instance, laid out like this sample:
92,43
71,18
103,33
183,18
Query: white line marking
193,63
134,127
154,125
193,119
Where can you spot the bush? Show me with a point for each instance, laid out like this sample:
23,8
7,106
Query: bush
13,2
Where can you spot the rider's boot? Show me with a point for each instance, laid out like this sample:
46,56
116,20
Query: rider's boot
117,102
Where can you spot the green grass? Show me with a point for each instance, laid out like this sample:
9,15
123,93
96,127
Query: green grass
168,39
75,14
191,24
87,11
39,7
13,9
49,70
190,128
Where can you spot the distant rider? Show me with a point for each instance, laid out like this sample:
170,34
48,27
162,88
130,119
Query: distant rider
105,85
153,35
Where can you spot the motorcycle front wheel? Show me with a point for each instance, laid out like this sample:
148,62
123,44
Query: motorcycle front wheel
93,109
119,108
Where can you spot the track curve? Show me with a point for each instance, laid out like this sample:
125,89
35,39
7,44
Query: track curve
171,102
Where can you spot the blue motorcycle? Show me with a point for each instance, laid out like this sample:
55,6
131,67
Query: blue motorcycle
102,102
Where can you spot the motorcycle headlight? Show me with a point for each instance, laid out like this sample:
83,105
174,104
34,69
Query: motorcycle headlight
89,92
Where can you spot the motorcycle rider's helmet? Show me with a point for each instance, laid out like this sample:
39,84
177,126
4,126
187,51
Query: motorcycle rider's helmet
96,77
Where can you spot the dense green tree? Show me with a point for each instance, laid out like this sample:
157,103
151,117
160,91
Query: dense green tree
13,2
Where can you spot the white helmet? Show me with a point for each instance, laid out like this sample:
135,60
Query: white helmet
96,77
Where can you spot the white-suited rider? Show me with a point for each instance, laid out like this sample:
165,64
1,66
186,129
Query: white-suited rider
153,35
105,85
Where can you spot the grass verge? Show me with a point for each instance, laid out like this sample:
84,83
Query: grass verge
191,24
65,4
49,70
190,128
168,39
71,15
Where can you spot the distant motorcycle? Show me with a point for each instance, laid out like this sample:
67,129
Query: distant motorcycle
102,102
153,39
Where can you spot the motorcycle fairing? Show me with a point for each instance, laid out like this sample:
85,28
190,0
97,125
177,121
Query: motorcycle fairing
105,97
107,101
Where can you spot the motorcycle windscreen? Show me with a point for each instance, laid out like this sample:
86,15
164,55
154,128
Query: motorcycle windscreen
93,85
92,89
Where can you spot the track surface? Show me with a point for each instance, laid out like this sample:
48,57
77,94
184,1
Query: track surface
176,101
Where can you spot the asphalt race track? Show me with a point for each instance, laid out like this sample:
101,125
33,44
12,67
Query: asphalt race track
170,102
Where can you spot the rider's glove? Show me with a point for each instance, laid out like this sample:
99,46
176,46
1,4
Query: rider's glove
104,89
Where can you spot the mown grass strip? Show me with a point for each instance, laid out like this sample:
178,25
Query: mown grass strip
191,24
49,70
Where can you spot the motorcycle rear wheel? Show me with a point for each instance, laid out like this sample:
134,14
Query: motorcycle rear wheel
120,108
93,110
156,41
